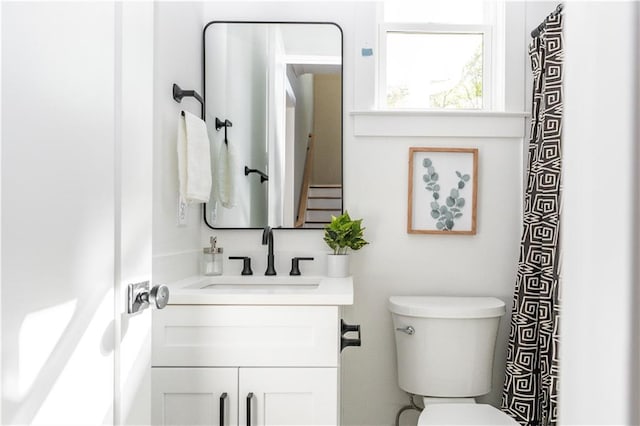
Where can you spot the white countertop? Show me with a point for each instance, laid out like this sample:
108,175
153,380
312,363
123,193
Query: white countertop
261,290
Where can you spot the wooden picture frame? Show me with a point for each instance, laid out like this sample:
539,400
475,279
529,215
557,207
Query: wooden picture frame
443,191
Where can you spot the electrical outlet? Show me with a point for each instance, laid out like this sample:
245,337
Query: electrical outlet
214,212
182,212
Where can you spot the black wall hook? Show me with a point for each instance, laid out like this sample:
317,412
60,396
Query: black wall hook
220,124
263,176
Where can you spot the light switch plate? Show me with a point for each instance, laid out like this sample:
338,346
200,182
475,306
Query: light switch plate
182,212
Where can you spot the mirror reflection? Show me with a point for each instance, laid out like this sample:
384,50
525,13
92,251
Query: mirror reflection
273,107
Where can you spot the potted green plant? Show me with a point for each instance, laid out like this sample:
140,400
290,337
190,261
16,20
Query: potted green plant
342,234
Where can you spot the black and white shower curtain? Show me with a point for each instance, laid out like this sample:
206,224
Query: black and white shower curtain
531,384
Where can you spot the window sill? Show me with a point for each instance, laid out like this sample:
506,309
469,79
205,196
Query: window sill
477,124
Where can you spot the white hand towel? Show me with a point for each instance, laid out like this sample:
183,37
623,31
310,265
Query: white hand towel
194,159
225,177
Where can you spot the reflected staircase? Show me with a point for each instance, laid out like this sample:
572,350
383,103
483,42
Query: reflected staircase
318,202
323,201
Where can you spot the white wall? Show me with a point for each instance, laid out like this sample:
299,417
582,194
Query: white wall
599,325
58,204
375,177
178,59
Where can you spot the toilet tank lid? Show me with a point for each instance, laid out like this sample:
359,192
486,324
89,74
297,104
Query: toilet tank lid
447,307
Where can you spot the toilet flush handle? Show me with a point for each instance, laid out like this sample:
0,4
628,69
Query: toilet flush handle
408,329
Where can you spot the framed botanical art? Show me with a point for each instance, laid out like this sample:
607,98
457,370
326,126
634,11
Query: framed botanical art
443,189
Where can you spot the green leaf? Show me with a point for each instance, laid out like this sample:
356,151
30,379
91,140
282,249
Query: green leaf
428,188
443,209
434,176
440,225
459,174
435,205
430,170
460,202
454,193
426,178
450,202
461,184
435,214
426,162
449,223
436,187
466,178
436,195
457,215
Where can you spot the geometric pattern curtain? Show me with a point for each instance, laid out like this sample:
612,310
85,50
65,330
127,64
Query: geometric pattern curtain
530,392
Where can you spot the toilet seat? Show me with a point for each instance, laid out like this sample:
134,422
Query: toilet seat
464,414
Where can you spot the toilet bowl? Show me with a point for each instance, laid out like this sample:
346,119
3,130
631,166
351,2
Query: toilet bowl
464,414
445,348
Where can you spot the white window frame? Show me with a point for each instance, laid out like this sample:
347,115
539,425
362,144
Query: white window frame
429,28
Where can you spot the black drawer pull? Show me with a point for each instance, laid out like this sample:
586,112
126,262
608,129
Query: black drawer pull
223,399
249,398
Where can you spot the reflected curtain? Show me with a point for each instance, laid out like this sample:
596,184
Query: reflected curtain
530,392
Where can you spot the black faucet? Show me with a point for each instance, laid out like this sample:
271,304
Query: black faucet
267,238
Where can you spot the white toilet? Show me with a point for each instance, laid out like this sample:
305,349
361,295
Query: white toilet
445,348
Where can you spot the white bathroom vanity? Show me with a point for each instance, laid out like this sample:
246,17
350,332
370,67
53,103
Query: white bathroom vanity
250,351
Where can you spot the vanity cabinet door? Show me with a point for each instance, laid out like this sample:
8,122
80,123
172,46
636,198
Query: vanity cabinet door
288,396
192,396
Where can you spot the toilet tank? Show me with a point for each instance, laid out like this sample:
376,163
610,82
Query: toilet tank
448,343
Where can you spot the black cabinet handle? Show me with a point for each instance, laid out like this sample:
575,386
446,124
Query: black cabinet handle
249,398
295,264
246,264
223,399
347,328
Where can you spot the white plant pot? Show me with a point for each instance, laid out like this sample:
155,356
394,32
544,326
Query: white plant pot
337,265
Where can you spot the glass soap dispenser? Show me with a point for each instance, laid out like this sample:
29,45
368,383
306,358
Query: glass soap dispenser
212,259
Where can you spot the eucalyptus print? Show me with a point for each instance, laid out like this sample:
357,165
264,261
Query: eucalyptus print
444,214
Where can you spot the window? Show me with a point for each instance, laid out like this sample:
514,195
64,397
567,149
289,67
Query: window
443,62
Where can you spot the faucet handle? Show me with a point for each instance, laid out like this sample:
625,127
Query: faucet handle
246,264
295,264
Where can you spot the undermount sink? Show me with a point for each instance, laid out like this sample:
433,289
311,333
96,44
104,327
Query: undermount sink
262,290
257,283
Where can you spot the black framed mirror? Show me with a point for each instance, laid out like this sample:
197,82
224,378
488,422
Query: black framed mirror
273,107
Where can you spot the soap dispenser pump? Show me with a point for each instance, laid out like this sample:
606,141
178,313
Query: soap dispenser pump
212,258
